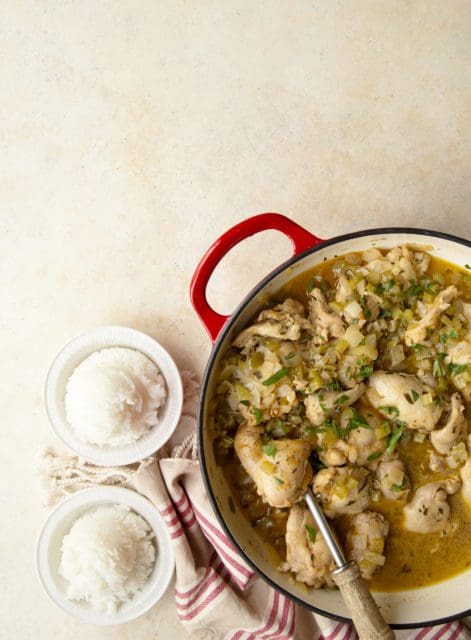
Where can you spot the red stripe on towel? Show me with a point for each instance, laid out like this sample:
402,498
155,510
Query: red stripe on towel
210,598
230,552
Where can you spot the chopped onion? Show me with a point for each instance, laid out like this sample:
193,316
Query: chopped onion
353,336
353,309
397,355
371,254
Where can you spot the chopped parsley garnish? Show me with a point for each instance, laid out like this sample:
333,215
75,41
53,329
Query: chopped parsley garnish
311,532
437,369
455,369
415,289
269,450
333,426
467,266
365,371
258,414
374,456
391,411
415,396
397,488
387,286
341,399
357,421
418,347
431,287
395,436
315,430
276,377
446,336
334,386
279,480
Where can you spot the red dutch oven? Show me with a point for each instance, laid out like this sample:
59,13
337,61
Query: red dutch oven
435,604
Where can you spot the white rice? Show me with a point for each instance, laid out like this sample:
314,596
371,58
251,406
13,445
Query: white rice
113,396
107,557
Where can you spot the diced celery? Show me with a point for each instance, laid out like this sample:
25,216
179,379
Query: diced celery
351,483
315,380
341,491
335,306
242,392
372,277
256,359
268,467
366,351
427,399
342,345
377,545
383,430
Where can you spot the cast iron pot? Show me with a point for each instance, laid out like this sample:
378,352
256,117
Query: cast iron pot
435,604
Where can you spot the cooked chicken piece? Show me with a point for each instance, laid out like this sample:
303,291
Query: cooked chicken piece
429,511
347,370
460,353
307,555
363,442
338,454
392,479
399,396
365,541
353,313
280,469
465,473
343,290
322,404
342,490
288,307
401,259
466,311
455,429
421,261
325,323
284,321
378,265
373,304
417,332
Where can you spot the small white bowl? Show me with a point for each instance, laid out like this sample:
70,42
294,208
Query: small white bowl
58,524
73,354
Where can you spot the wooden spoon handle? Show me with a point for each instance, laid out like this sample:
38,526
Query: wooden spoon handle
366,616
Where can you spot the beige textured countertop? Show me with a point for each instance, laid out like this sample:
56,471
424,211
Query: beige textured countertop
134,133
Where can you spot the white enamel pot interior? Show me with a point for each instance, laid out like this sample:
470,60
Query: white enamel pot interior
440,602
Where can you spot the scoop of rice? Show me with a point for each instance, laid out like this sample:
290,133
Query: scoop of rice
113,396
107,557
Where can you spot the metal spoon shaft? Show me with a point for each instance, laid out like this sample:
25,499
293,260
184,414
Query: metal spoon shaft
325,529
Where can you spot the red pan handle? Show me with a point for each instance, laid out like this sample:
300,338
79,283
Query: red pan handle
300,238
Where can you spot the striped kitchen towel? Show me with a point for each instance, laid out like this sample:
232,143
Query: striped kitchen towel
217,595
